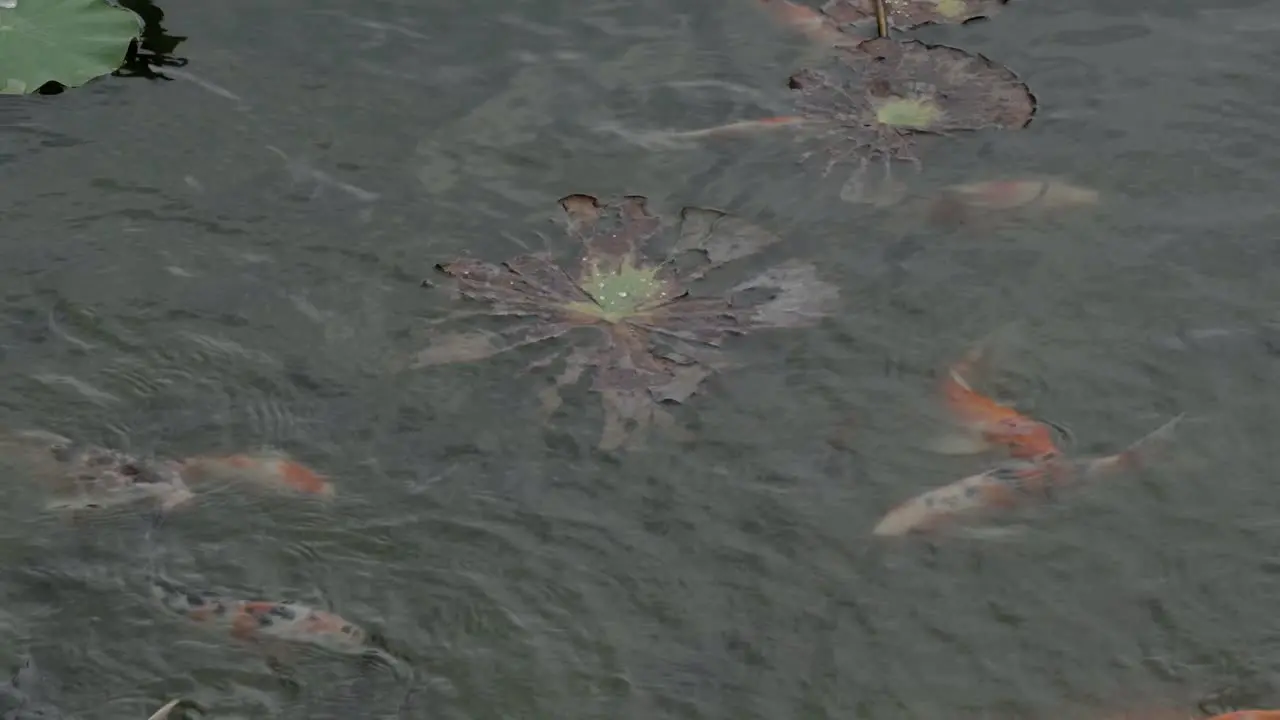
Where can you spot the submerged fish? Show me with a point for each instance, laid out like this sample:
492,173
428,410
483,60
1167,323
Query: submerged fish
1010,485
21,697
266,469
90,477
1249,715
983,423
807,21
257,620
84,477
980,201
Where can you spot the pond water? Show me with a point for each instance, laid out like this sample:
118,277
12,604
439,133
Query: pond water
230,258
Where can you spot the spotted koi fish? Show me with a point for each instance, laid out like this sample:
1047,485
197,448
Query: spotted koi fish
89,477
1012,484
256,620
985,423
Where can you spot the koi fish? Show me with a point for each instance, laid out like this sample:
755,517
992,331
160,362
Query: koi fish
983,200
268,469
1010,485
809,22
985,423
1249,715
84,477
256,620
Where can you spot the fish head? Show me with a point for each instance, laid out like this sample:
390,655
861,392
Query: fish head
103,478
335,631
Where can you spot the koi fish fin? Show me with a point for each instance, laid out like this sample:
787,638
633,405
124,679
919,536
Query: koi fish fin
179,496
1138,453
164,712
958,442
740,128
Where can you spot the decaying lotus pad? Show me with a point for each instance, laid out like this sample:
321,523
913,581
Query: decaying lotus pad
950,89
653,340
907,14
874,96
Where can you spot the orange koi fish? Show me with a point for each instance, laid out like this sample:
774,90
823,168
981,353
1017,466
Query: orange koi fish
809,22
268,469
265,619
1011,484
985,423
1249,715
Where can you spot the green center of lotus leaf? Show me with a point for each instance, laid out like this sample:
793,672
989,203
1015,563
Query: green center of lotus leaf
619,294
951,8
908,113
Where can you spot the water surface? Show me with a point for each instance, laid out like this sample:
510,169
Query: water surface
228,259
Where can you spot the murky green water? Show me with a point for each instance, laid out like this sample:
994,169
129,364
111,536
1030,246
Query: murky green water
229,259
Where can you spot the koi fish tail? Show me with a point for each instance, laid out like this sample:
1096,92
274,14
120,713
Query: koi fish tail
164,712
740,128
1139,453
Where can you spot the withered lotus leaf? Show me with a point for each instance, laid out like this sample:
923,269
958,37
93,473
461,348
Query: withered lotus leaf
649,336
873,99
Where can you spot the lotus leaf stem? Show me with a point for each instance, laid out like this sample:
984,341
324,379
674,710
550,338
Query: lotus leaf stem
882,19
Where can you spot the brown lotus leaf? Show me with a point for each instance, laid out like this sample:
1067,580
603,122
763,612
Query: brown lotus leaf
907,14
873,99
652,337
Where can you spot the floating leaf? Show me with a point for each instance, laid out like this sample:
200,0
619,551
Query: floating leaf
64,41
654,340
873,99
907,14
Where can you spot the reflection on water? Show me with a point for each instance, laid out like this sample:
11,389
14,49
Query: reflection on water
229,260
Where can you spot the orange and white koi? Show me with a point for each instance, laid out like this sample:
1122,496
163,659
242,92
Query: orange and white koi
1010,485
267,469
265,619
985,423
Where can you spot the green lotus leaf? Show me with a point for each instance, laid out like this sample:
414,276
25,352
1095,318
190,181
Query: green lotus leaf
656,337
64,41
